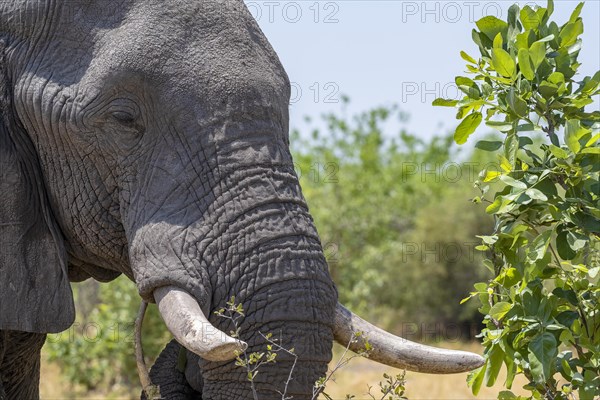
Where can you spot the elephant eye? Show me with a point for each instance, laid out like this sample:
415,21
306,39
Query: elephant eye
123,117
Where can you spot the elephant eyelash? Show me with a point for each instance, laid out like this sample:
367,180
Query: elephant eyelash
128,123
123,117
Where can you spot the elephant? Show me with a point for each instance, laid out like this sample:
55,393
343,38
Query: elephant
150,138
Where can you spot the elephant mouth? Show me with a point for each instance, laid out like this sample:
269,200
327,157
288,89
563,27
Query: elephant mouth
191,328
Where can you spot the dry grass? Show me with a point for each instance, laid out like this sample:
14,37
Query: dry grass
352,379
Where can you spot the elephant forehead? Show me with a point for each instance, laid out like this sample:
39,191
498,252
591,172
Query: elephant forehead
204,50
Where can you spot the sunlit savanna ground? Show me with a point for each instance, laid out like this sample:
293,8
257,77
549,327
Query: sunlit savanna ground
354,378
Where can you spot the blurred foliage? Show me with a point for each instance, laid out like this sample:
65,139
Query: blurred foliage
394,218
542,309
97,352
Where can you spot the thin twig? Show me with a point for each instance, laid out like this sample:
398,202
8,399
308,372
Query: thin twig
317,390
281,348
152,391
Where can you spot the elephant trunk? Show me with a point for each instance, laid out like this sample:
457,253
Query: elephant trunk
398,352
191,328
251,238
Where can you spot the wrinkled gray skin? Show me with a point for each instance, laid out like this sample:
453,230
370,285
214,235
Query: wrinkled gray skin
150,138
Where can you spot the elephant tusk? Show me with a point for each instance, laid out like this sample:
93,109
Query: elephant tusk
191,328
398,352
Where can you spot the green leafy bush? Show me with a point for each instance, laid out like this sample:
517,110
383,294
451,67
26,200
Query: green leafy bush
97,352
542,309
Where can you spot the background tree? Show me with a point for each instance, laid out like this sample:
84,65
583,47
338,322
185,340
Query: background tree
393,214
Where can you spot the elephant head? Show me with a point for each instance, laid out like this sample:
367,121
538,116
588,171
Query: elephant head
150,138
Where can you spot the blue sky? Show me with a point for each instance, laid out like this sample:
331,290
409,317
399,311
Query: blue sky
384,52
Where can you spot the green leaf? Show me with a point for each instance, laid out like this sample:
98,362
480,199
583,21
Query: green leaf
529,18
491,26
542,351
444,102
495,358
536,194
573,132
525,39
475,378
570,32
550,8
505,164
581,102
481,41
502,126
496,205
488,145
593,140
512,182
558,152
499,310
467,57
463,111
525,65
488,239
537,53
507,395
576,12
512,16
586,221
539,246
570,296
524,141
491,175
503,62
546,38
591,150
468,86
576,241
467,127
590,84
508,277
591,385
516,103
556,77
498,41
548,89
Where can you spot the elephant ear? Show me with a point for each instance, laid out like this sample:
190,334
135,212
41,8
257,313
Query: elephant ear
35,294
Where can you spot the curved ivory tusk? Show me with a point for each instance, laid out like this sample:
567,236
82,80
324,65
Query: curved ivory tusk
191,328
398,352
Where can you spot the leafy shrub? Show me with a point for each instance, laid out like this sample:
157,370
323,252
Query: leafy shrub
542,309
